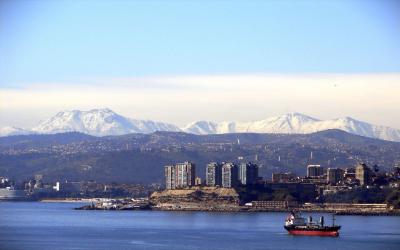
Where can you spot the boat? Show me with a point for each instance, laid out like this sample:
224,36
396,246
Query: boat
295,224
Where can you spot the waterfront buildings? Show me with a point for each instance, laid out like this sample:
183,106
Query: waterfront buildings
214,174
185,176
248,173
232,175
314,171
169,172
181,175
229,175
363,174
334,175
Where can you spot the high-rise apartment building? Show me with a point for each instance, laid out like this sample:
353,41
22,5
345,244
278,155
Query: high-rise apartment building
248,173
169,177
229,175
181,175
363,174
214,174
185,174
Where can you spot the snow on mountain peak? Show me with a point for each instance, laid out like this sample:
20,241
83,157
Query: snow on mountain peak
98,122
296,123
101,122
201,127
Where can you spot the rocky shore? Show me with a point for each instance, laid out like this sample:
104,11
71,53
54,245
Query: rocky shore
197,199
213,199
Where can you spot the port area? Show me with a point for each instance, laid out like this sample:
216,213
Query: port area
117,204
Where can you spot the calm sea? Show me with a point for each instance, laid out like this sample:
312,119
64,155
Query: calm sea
36,225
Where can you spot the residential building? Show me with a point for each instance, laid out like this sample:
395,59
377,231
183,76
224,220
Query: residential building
229,175
214,174
181,175
248,173
185,174
334,175
170,177
363,174
314,171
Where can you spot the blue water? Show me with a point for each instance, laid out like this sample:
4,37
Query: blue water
35,225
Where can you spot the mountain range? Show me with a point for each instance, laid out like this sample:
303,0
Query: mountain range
105,122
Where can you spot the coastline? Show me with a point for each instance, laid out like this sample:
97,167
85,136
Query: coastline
226,205
242,209
211,199
70,200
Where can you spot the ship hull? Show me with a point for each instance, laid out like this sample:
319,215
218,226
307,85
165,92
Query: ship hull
327,231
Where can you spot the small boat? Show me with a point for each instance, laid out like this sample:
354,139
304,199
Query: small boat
297,225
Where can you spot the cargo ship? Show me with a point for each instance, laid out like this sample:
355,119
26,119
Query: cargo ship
297,225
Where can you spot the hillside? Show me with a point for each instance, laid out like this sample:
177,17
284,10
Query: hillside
140,158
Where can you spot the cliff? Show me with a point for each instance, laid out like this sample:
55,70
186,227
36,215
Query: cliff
196,198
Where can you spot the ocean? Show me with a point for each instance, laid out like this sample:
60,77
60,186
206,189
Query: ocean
42,226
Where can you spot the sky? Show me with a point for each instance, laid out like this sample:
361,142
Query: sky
181,61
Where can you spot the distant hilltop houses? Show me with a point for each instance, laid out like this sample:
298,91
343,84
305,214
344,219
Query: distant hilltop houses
231,175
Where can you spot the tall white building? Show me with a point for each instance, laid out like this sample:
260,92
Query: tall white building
214,174
229,175
248,173
181,175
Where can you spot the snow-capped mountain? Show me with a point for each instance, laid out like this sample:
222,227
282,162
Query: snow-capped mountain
99,122
295,123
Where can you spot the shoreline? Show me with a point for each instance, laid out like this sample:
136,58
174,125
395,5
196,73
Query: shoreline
224,208
69,200
244,210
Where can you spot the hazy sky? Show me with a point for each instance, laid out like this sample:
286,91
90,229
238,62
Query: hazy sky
179,61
